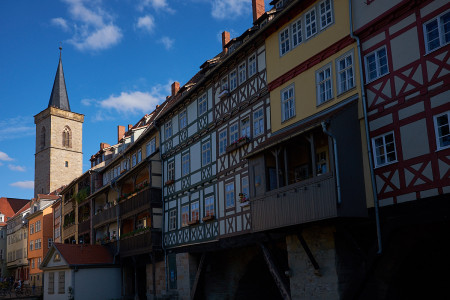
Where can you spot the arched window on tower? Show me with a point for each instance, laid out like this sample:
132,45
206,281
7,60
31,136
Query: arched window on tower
42,137
67,137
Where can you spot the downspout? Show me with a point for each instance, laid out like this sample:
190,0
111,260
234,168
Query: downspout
163,209
366,125
336,161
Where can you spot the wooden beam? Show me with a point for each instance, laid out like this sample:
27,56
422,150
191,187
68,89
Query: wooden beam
309,253
284,291
197,275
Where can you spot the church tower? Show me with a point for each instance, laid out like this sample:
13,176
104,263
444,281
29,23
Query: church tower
59,132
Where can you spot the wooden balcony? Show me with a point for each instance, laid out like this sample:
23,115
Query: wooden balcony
139,202
84,226
68,231
137,244
105,216
305,201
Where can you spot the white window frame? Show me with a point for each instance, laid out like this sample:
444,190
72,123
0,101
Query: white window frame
377,154
206,153
195,211
245,127
441,33
139,157
297,34
324,84
348,72
223,141
172,219
310,23
234,132
202,105
224,84
229,195
289,101
133,159
168,129
185,164
184,215
150,147
209,206
171,170
252,65
233,80
258,122
325,13
284,41
182,118
378,67
438,131
245,188
242,72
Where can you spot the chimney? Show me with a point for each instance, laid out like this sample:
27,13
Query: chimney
225,40
175,88
120,132
129,127
103,146
258,9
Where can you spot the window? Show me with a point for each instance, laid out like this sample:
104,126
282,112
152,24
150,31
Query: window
222,141
202,105
245,127
39,262
224,84
32,263
234,133
151,147
323,83
61,282
183,119
184,215
384,146
57,232
66,164
139,156
284,41
310,23
172,219
31,228
38,226
51,282
171,170
133,160
209,206
326,14
376,64
244,187
195,211
50,242
258,122
67,137
242,73
229,195
297,37
168,129
442,127
344,69
233,82
287,103
251,65
206,153
31,245
185,164
36,244
437,32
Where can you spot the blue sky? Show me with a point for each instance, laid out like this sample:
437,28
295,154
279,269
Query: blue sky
119,59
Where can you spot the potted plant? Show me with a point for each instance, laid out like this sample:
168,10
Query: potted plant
169,182
208,218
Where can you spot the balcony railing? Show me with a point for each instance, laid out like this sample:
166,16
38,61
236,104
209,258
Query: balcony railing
306,201
84,226
104,216
140,201
137,244
68,231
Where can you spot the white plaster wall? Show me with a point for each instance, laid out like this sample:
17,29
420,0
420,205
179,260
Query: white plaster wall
98,284
56,295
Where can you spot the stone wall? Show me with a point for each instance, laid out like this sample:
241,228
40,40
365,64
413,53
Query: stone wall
160,277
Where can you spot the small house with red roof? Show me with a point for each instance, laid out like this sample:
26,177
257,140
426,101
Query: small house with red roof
80,271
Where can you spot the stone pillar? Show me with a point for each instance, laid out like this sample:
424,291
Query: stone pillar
304,282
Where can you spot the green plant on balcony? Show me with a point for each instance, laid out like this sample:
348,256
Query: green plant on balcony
82,194
134,232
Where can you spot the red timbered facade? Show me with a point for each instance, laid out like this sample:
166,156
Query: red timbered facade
406,62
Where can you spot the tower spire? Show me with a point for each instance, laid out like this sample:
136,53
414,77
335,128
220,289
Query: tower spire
59,97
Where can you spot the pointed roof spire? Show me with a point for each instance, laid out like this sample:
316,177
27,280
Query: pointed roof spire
59,97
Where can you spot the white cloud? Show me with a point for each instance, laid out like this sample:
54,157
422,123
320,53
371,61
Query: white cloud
17,127
132,102
5,157
146,23
16,168
93,27
87,102
23,184
167,42
230,9
156,4
60,22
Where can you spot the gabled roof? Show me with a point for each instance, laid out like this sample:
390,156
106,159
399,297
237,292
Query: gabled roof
80,255
59,98
10,206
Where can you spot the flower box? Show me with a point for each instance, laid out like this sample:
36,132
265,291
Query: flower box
193,222
223,94
169,182
208,218
238,143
